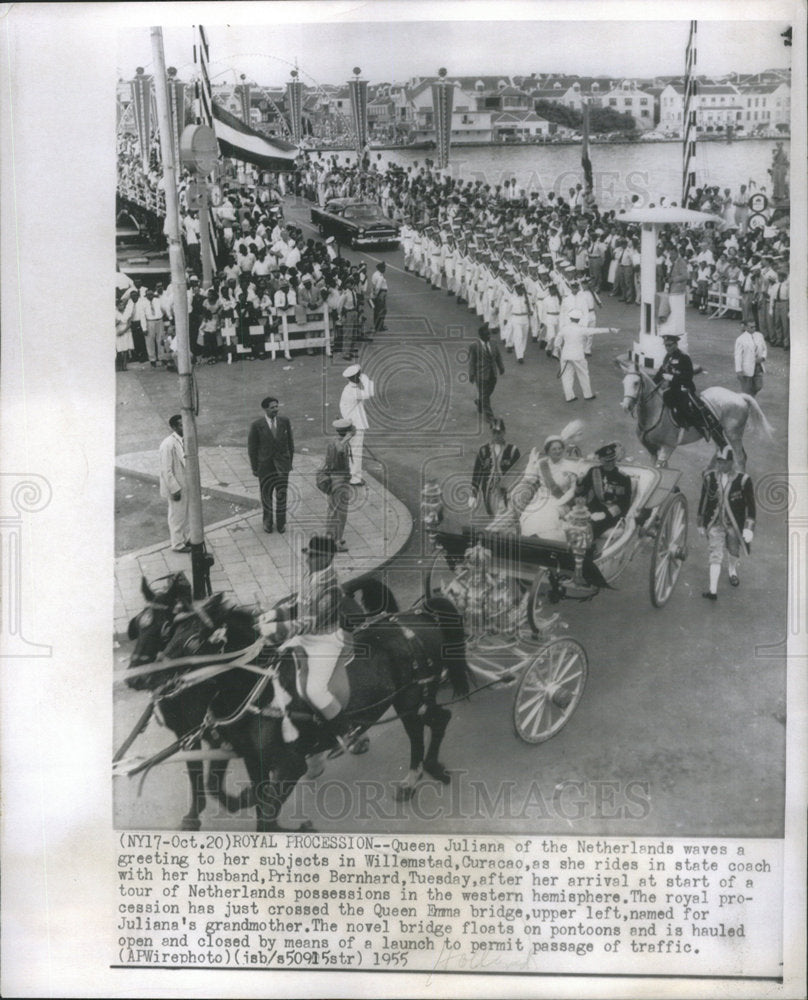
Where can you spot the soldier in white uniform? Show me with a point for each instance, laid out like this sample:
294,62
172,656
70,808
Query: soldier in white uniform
572,356
519,321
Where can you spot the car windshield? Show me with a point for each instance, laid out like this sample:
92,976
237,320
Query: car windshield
368,212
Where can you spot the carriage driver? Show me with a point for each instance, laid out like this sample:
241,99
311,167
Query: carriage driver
680,396
314,625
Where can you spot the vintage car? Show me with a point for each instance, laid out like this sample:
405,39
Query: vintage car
357,223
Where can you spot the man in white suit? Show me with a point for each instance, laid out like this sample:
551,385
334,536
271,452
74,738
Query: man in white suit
172,485
750,357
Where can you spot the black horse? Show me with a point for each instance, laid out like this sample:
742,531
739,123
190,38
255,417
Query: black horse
397,660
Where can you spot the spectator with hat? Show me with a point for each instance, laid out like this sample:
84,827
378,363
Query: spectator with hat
726,517
271,449
172,485
358,389
338,461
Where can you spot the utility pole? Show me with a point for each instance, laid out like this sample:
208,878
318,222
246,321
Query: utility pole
200,560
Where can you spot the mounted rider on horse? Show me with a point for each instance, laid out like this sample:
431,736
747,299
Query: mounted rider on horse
680,396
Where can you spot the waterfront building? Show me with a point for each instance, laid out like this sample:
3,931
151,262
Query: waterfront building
717,106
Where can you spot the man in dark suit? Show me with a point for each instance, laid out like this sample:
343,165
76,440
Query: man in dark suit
271,450
485,361
606,489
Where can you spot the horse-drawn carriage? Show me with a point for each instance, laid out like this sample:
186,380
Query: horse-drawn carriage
503,582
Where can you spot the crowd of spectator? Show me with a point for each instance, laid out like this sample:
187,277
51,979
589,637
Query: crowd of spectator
267,268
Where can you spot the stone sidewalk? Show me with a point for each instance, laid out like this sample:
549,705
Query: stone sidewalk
256,568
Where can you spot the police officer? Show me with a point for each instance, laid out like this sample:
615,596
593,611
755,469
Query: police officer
606,489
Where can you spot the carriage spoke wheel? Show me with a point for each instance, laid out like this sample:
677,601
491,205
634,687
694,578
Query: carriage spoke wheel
670,549
439,575
550,690
535,600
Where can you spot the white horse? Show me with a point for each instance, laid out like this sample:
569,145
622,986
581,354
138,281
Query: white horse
660,435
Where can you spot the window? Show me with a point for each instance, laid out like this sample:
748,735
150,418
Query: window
612,102
644,114
643,102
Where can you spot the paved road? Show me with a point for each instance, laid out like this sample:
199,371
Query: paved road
681,727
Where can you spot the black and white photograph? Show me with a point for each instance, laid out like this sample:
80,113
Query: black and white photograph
437,532
501,353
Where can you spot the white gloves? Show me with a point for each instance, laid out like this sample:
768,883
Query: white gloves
748,535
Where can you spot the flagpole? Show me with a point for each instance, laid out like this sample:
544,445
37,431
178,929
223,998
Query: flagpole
200,562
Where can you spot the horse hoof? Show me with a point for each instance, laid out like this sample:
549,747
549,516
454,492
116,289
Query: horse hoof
191,823
438,772
404,793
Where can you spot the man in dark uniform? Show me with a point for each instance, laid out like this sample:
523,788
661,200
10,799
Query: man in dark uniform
492,462
676,373
726,518
606,489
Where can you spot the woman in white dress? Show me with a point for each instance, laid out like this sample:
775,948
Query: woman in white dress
556,488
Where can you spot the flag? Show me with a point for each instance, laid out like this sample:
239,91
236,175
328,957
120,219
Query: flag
294,100
359,105
176,110
142,98
246,98
586,163
204,116
244,143
442,102
689,119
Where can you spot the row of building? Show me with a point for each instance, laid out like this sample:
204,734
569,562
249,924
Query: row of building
490,108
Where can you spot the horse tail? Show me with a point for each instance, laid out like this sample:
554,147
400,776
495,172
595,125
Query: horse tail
377,598
453,653
757,416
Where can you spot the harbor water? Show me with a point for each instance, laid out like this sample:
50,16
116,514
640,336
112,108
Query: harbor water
620,170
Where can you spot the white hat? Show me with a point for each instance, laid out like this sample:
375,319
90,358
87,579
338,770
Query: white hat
329,240
351,370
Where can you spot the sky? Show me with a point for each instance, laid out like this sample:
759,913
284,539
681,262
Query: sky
394,51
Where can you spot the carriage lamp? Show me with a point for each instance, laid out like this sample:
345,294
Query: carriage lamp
578,530
431,505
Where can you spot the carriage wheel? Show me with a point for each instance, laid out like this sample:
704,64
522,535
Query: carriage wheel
439,575
550,690
670,549
535,600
